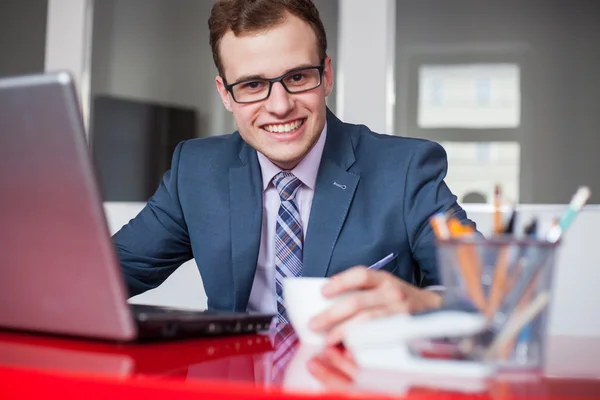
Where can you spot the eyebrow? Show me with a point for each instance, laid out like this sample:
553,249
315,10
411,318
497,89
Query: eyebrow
244,78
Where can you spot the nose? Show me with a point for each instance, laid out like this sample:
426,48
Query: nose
280,102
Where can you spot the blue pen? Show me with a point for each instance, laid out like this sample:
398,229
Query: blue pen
384,261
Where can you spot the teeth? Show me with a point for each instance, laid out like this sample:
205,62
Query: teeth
284,128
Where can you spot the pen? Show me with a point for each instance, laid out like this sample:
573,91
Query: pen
384,261
509,229
531,229
524,337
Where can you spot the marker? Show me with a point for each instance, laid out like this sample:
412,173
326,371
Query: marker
577,202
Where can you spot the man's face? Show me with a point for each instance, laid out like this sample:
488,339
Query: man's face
285,126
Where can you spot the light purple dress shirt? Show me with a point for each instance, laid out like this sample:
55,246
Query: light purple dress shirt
263,296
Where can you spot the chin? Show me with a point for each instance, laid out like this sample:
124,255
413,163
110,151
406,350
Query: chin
287,162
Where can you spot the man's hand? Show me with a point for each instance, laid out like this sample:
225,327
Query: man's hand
369,294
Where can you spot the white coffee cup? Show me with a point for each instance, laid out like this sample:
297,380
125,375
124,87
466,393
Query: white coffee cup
303,301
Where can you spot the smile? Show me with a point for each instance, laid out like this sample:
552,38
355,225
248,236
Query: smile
285,128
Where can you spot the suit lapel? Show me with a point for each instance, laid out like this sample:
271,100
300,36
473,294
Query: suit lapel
334,192
245,195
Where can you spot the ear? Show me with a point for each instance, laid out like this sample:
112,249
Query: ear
225,98
328,76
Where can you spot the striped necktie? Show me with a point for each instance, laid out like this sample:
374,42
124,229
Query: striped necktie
285,344
289,241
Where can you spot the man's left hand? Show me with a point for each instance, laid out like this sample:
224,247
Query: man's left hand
369,294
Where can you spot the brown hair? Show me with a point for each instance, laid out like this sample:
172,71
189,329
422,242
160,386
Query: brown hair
242,16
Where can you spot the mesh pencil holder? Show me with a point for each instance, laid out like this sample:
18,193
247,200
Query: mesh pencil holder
509,281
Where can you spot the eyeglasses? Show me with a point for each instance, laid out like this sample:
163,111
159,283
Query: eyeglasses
295,81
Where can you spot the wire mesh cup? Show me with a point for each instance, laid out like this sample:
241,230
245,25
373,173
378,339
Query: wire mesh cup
510,282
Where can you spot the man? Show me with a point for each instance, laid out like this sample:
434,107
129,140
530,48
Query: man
295,191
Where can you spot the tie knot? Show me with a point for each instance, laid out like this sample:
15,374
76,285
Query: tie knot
287,185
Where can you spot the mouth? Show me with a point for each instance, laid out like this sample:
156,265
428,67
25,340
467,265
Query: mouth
285,128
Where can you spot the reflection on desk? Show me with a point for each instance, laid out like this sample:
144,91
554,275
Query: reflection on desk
124,360
236,367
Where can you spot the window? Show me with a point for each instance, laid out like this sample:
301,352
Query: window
469,96
476,167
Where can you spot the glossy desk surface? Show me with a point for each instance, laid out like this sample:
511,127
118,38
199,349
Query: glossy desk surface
238,367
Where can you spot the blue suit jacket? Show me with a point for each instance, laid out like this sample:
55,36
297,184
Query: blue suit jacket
209,207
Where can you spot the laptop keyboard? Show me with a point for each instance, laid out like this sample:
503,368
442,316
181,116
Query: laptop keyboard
159,321
161,309
150,311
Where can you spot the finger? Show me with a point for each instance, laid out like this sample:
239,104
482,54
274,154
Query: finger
341,361
336,335
325,373
350,356
345,308
390,292
355,278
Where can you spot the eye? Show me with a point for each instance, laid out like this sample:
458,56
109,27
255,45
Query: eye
298,77
253,85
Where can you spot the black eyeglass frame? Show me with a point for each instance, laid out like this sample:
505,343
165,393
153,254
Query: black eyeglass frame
320,68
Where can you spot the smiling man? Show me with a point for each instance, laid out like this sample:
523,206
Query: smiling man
294,191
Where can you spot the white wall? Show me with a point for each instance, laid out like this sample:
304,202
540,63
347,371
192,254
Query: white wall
576,297
68,35
182,289
480,166
365,71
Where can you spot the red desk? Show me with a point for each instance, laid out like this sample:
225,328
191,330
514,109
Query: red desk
36,366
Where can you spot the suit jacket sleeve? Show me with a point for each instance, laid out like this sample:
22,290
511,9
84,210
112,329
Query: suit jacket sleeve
427,194
156,242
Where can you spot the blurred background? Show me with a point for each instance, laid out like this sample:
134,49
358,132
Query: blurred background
506,86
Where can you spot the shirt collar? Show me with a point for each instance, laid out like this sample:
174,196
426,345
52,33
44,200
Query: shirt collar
306,170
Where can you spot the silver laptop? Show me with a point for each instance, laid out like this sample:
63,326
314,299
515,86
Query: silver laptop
59,272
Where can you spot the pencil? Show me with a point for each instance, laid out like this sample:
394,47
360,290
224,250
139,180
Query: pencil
497,210
499,282
468,262
503,343
524,302
440,226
